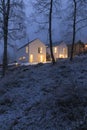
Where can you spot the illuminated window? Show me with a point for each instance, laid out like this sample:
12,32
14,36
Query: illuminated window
64,53
31,58
55,50
66,56
22,58
27,49
41,58
85,46
40,50
64,50
61,56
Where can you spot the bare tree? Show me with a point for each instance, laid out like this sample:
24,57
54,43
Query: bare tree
45,12
5,13
77,19
11,18
50,30
74,28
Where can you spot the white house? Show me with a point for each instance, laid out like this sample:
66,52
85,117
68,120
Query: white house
32,52
60,50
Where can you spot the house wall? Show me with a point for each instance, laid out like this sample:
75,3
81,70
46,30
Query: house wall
85,47
62,50
55,53
78,49
33,50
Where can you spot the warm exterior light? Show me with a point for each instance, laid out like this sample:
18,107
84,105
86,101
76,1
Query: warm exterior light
41,50
31,58
55,50
41,58
23,57
26,49
64,51
85,46
61,56
65,56
16,64
20,58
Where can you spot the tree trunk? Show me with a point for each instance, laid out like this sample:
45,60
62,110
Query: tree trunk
74,30
50,31
6,8
5,62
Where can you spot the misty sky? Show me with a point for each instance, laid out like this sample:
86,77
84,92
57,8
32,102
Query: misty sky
57,24
34,32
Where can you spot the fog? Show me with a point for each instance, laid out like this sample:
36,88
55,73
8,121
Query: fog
33,30
59,27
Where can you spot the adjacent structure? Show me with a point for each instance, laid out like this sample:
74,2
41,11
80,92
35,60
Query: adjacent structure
60,50
79,47
85,47
32,52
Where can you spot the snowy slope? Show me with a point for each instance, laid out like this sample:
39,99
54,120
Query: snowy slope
45,96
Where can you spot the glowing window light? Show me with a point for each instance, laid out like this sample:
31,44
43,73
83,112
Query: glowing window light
41,50
86,46
23,57
64,50
55,50
16,64
65,56
20,58
31,58
41,58
61,56
26,49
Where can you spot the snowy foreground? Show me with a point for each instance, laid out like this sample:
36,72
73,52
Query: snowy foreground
45,96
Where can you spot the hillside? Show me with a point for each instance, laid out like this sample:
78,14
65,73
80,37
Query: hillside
45,96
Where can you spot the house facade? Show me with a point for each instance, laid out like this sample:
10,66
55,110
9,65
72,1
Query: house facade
60,50
32,52
85,47
79,48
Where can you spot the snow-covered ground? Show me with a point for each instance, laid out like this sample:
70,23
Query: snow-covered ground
45,96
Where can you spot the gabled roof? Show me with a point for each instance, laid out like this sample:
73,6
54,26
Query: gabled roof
28,43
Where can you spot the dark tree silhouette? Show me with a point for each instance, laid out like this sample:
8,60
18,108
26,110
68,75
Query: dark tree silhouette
48,10
11,20
50,30
75,19
74,28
